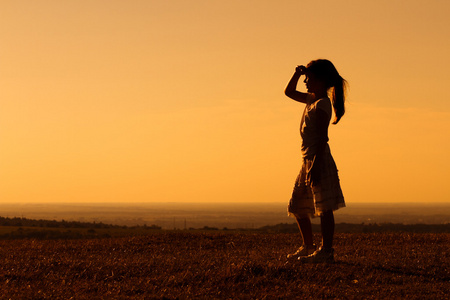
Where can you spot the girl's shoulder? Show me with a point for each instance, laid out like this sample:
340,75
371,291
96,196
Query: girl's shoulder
324,104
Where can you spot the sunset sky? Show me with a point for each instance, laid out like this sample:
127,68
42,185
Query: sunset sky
183,101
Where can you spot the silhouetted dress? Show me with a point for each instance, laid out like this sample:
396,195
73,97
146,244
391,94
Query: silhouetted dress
309,200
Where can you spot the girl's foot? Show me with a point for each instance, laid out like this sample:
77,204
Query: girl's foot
320,256
303,251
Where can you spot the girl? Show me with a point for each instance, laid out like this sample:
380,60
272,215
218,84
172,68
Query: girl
317,191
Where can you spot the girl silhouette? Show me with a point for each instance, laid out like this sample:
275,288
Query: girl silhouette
317,191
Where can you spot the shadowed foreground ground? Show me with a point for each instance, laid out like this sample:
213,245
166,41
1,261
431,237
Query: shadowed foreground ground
216,265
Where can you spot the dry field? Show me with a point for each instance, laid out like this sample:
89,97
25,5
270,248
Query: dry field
217,265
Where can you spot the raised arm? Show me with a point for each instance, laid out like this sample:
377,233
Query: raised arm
291,88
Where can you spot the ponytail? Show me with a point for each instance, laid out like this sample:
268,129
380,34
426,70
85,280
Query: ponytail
338,98
324,70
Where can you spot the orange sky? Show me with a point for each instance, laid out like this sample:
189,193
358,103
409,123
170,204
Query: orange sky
183,100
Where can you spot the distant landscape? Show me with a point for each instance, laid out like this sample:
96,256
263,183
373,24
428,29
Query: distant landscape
220,215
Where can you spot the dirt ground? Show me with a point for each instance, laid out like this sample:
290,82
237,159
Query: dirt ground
218,265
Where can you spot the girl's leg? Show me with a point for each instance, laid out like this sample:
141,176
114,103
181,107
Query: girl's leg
304,224
327,228
325,253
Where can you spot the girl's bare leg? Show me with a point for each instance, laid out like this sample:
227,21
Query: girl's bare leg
327,228
304,224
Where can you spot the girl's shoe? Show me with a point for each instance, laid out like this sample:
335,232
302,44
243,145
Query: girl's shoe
320,256
303,251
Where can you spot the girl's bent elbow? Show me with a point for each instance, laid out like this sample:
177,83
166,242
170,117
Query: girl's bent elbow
288,93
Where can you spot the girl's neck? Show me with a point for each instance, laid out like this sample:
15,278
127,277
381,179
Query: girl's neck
321,94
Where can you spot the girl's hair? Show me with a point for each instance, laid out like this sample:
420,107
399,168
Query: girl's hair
325,71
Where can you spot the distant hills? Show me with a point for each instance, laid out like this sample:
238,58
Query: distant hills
231,215
23,228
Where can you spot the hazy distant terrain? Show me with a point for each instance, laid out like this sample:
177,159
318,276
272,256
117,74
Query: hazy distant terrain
220,215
